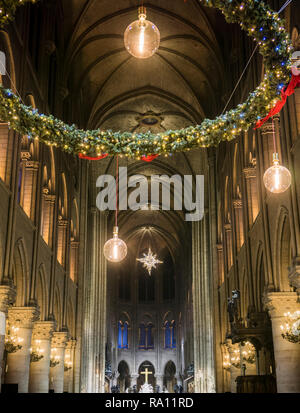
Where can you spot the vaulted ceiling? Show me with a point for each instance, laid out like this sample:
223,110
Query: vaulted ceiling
179,86
184,82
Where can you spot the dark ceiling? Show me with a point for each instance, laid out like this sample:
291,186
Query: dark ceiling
180,85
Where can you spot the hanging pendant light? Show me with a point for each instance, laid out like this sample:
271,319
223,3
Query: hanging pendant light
142,37
115,249
277,178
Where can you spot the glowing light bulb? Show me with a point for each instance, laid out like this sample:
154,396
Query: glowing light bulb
142,38
277,178
115,249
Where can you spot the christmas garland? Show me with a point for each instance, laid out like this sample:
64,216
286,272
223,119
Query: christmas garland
254,16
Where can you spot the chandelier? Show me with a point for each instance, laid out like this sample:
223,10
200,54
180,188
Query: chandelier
12,341
142,37
291,328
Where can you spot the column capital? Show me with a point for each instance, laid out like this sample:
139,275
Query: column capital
33,165
7,297
278,303
294,274
237,203
62,222
23,316
59,339
43,330
227,227
71,344
250,172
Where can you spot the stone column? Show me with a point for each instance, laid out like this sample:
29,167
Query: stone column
18,363
204,358
287,355
39,371
159,381
134,377
29,189
58,345
234,355
228,238
252,193
69,366
238,212
220,264
7,298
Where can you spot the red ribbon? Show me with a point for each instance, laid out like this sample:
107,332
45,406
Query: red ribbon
91,158
288,91
149,158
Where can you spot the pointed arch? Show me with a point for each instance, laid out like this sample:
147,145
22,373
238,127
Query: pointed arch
42,292
283,251
21,273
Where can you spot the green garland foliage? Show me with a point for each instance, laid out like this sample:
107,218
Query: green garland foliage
254,16
8,9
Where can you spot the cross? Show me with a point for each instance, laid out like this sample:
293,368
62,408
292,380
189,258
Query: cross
146,374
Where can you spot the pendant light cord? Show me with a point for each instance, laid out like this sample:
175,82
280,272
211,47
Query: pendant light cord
274,136
117,190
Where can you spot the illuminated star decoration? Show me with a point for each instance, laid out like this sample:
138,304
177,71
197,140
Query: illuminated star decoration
149,261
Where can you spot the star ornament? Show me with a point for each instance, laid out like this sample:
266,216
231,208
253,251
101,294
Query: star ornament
149,261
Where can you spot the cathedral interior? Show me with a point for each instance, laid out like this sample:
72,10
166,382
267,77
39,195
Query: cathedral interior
208,318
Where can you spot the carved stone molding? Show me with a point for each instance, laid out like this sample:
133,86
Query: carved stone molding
219,247
250,172
278,303
33,165
62,222
227,227
59,339
49,198
43,330
25,155
23,316
237,203
7,297
71,344
268,126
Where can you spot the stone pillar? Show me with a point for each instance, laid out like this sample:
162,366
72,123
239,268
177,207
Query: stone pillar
62,236
134,377
39,371
220,264
234,355
238,212
18,363
48,205
29,187
7,298
74,261
69,366
159,381
94,311
252,193
204,355
228,238
287,355
58,345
